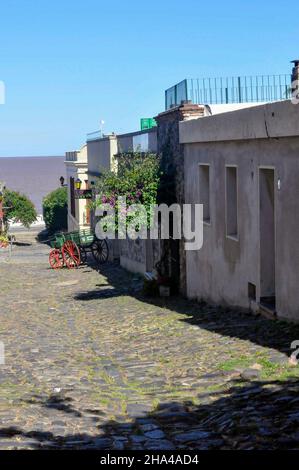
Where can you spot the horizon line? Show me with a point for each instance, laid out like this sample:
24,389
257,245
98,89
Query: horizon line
33,156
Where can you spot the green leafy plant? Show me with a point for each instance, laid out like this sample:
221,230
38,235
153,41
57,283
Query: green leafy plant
4,241
137,179
19,208
55,209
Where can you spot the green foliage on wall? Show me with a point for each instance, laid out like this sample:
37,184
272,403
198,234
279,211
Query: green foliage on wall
137,179
55,209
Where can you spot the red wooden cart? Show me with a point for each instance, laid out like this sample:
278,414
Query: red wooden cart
71,249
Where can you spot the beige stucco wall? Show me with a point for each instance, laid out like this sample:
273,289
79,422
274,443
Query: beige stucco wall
145,141
100,155
76,167
266,136
101,152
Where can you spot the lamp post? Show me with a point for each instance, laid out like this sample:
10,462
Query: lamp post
2,187
1,212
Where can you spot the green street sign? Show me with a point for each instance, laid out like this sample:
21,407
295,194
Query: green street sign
147,123
83,194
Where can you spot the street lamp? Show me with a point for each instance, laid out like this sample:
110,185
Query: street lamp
78,183
61,179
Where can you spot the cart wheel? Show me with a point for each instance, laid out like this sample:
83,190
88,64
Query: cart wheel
71,254
56,259
100,251
83,255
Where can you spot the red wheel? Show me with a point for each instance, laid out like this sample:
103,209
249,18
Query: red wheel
56,259
71,254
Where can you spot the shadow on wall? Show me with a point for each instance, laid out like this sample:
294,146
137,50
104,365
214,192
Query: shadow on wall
258,415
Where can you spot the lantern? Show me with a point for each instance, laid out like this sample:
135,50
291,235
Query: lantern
78,183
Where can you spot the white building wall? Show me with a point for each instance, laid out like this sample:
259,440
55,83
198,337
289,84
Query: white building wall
76,167
265,137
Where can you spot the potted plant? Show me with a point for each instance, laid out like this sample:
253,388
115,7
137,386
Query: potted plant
4,241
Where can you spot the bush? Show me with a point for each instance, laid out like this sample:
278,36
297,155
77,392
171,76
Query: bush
55,210
19,208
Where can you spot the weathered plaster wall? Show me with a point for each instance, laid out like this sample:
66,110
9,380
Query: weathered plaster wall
133,255
221,270
139,255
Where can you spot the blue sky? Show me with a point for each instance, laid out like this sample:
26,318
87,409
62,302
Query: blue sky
68,64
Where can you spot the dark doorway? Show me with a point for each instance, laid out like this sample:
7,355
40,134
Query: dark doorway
267,238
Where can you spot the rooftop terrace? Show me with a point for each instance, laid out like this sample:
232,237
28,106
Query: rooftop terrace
225,90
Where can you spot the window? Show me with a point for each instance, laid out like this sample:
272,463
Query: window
251,291
204,191
72,194
231,201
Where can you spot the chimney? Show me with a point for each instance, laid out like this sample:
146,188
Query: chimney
295,75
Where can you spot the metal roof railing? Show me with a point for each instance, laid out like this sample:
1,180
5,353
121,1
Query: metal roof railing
225,90
96,135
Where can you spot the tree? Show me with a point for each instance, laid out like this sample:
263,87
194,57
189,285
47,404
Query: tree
18,207
55,209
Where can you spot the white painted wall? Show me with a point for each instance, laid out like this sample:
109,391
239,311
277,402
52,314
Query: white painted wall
76,167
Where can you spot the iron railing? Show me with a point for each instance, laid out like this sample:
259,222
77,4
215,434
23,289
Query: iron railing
247,89
96,135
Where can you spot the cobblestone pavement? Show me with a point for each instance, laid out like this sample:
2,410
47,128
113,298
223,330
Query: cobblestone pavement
91,364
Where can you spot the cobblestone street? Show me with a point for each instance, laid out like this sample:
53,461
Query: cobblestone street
90,363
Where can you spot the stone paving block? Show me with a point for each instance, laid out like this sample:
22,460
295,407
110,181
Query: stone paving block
135,372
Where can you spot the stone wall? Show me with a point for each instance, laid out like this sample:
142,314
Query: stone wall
139,255
172,184
133,255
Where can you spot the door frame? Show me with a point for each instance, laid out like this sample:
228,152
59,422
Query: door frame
266,167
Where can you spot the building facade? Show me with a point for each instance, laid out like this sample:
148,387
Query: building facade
101,155
96,156
243,166
102,150
78,209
